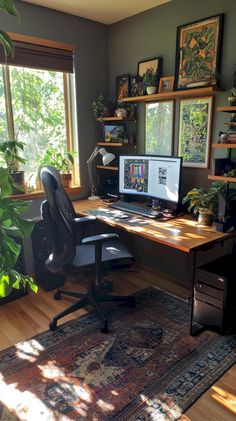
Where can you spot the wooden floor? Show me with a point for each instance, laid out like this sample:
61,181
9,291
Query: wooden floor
24,318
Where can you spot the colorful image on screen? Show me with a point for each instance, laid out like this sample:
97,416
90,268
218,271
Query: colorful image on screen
136,174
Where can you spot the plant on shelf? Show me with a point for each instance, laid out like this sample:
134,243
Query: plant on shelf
9,155
59,158
12,227
204,202
232,97
150,81
103,107
9,7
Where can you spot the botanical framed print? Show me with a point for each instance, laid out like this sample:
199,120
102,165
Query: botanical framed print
195,131
166,84
154,63
159,128
198,53
122,87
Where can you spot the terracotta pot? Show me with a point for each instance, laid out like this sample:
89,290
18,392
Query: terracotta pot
66,180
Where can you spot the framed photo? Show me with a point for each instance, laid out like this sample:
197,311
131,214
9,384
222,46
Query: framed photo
122,87
136,88
155,64
198,52
159,128
166,84
195,123
113,133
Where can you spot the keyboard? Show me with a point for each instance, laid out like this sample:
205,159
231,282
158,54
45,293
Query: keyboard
139,210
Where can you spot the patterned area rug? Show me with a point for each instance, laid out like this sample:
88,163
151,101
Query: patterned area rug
146,368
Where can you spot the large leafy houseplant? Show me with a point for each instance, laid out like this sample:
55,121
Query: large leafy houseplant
12,228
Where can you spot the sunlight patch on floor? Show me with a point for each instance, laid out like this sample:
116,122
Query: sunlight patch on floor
228,400
29,350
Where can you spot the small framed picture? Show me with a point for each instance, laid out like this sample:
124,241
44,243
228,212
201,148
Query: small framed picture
136,86
155,64
122,87
113,133
166,84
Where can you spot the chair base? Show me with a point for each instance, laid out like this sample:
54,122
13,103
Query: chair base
89,298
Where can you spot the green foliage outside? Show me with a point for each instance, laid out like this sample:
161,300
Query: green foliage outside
193,131
12,227
159,119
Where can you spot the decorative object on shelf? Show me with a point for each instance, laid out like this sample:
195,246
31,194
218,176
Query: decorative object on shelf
159,128
122,87
154,65
150,81
9,154
103,107
113,133
166,84
136,86
232,97
12,227
107,157
60,159
121,112
198,53
203,202
195,131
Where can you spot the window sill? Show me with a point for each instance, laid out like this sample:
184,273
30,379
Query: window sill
40,194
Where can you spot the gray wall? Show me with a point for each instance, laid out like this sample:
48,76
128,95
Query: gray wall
153,34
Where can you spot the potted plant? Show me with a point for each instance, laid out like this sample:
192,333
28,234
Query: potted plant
12,227
203,202
232,97
150,81
9,151
60,159
103,107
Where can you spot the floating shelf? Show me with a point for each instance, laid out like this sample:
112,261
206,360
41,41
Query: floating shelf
107,167
227,109
231,124
174,94
222,178
224,145
114,118
115,144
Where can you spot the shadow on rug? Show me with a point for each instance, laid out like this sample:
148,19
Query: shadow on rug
146,368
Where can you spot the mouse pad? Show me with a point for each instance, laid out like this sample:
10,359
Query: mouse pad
120,216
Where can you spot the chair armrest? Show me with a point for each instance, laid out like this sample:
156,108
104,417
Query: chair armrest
84,219
99,239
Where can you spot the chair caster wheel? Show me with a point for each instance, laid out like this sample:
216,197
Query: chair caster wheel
57,296
104,329
53,325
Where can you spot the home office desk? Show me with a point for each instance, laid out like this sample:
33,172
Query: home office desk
181,233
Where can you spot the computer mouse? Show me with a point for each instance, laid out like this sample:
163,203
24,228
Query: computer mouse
123,216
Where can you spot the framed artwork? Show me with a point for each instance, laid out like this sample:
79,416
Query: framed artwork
113,133
159,128
195,123
166,84
122,87
155,64
198,52
136,88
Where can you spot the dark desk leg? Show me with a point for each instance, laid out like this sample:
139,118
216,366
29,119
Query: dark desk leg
194,327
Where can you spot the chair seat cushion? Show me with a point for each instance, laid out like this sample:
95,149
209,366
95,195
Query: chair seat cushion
111,250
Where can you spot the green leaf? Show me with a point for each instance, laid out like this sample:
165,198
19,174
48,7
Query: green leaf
7,43
9,7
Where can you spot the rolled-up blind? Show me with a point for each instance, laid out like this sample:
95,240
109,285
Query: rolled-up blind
39,57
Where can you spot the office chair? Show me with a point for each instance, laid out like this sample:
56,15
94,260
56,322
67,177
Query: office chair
70,252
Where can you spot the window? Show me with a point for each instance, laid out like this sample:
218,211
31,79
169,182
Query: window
35,103
159,128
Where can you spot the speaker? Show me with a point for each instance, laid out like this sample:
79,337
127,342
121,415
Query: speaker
41,250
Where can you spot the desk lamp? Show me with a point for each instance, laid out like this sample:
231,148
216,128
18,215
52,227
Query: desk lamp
107,157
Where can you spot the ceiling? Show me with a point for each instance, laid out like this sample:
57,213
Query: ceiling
104,11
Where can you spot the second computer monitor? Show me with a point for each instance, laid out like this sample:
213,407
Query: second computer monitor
157,177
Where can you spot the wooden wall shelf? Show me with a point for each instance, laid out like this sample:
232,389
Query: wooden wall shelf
227,109
107,167
222,178
173,95
224,145
115,144
114,118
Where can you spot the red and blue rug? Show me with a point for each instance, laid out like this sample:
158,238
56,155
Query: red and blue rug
146,368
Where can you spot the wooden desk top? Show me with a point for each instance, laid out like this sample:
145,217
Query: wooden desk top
181,233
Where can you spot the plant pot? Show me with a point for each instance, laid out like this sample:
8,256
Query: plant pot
232,100
18,179
204,218
66,180
14,295
151,90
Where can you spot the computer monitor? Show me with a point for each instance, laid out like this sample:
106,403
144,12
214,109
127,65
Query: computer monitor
157,177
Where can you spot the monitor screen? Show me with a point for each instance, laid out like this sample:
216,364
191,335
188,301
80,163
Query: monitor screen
157,177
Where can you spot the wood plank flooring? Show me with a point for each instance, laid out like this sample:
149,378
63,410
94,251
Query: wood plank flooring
24,318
